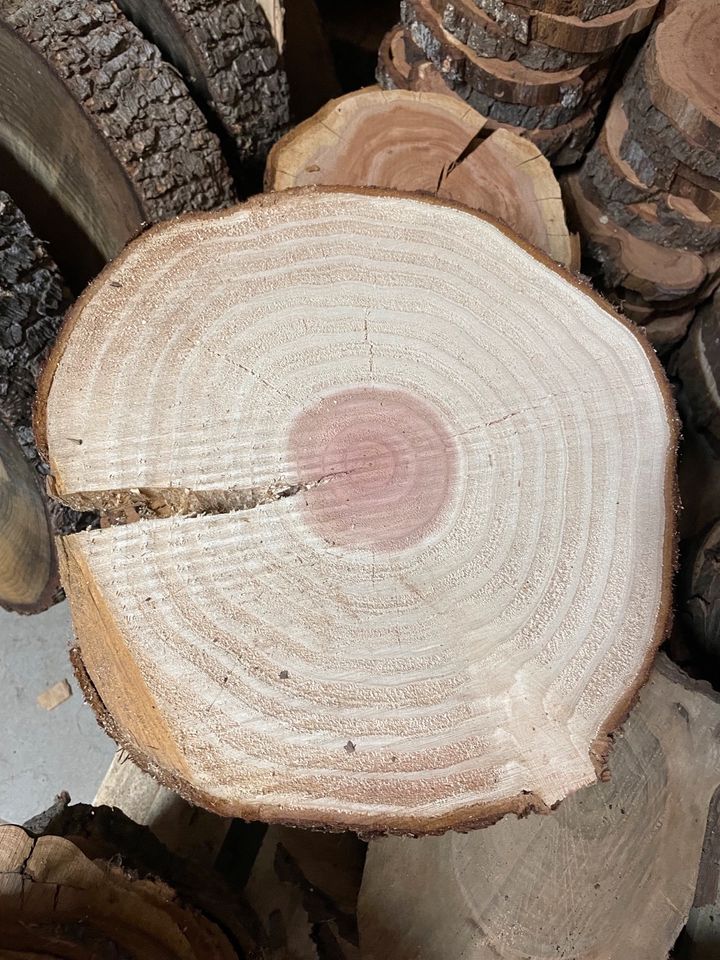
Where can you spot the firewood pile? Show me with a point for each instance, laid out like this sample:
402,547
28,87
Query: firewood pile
386,501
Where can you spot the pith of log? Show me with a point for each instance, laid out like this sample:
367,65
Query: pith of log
656,272
680,69
618,859
385,355
131,145
55,902
229,59
433,144
600,33
564,144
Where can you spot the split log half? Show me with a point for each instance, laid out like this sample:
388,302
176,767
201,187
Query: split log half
229,59
55,902
656,272
487,38
535,22
699,374
512,83
130,147
564,144
382,578
681,70
429,143
618,860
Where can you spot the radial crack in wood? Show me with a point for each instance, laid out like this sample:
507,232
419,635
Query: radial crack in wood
433,144
618,861
448,629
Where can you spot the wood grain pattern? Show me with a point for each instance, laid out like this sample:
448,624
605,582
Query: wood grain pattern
433,144
618,860
425,589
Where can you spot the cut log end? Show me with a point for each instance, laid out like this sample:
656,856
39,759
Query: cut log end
415,601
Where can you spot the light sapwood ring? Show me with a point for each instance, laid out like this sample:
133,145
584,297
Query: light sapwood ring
404,632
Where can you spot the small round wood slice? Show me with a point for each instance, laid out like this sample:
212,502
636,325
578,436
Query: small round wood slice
429,143
681,70
388,572
229,59
106,127
533,22
617,862
57,903
488,38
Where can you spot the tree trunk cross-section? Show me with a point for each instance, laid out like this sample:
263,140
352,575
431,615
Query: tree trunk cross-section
229,59
608,876
382,578
429,143
130,145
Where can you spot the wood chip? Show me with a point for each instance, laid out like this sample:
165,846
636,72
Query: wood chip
55,695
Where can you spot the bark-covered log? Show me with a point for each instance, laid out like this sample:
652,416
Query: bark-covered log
534,21
700,590
610,874
229,59
387,364
699,373
90,109
433,144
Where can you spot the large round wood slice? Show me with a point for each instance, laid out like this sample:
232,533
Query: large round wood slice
610,874
430,143
533,21
657,273
56,903
681,70
229,59
106,127
565,144
388,572
699,374
559,94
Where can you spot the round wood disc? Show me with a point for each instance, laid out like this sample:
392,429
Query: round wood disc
386,568
429,143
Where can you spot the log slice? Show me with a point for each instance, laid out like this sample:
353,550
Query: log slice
132,146
366,413
699,371
429,143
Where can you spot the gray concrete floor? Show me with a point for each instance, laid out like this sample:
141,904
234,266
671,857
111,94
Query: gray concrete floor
43,752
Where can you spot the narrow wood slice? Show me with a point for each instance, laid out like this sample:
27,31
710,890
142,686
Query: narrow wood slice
58,903
429,143
393,69
682,71
526,22
132,146
657,273
699,372
584,9
510,82
488,38
229,59
29,579
352,598
618,860
304,888
666,330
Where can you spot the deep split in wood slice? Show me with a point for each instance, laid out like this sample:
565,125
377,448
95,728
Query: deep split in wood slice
416,590
55,902
433,144
535,22
618,861
228,57
131,148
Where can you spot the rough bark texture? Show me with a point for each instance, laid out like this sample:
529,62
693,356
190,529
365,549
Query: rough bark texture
229,59
129,96
584,9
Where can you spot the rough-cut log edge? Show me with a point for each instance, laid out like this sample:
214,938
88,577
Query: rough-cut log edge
476,815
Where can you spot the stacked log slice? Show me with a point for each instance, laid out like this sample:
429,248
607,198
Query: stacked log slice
618,861
430,143
229,59
376,419
101,122
654,172
55,902
525,64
